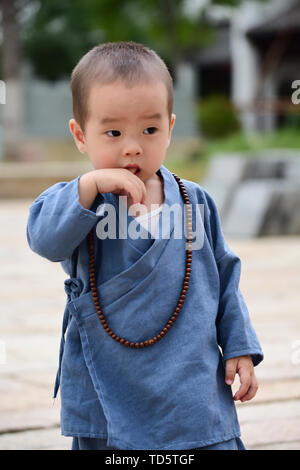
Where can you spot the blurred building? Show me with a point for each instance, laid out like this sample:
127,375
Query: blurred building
48,106
254,61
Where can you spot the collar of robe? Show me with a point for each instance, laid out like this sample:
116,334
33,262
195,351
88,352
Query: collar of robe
185,285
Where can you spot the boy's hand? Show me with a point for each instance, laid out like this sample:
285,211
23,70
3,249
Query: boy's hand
120,181
242,365
110,180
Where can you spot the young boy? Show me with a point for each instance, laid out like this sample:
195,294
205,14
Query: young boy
156,328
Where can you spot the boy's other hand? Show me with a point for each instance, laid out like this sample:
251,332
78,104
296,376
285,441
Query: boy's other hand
242,365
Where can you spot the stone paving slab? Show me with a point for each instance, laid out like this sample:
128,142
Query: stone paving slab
51,439
30,179
276,391
271,432
42,439
30,327
33,418
278,446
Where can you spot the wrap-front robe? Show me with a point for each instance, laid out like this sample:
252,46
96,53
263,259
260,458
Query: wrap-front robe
171,395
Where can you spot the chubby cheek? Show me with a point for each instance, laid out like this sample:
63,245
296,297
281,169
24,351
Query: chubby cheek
161,149
102,156
103,160
156,147
164,143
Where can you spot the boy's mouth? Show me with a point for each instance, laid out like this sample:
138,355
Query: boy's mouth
135,169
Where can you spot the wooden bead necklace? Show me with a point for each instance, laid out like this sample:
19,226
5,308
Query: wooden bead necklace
185,285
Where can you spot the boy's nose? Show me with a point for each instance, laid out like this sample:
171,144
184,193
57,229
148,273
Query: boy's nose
132,150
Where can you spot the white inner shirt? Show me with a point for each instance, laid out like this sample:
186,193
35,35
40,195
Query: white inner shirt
150,220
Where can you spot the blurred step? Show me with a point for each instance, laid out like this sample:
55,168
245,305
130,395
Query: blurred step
28,180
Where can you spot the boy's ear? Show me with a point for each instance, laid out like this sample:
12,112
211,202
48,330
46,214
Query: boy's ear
173,119
78,135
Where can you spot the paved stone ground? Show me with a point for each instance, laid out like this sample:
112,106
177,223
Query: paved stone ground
30,325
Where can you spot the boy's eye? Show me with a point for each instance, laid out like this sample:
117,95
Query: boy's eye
152,129
113,131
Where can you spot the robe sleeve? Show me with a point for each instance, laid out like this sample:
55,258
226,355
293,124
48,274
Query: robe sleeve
235,333
57,222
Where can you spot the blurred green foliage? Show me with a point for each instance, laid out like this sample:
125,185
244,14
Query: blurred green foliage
58,33
292,121
55,37
234,3
284,138
216,116
246,145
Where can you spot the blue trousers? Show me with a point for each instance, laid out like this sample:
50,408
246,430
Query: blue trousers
88,443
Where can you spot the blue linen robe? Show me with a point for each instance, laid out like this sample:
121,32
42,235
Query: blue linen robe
171,395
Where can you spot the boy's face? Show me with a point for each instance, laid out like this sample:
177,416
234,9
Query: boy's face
126,126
